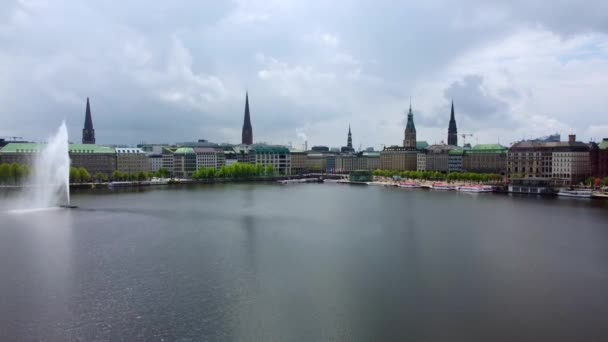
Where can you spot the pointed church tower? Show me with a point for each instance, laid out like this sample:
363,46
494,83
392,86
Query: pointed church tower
349,141
452,131
88,133
247,135
410,131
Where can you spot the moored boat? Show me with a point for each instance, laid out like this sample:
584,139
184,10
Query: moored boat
475,188
581,193
443,186
599,194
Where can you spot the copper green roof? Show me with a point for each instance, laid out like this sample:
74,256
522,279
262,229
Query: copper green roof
271,150
488,148
184,150
89,148
421,145
456,152
73,148
21,148
604,144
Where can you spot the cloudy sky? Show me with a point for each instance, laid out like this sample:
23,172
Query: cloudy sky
167,71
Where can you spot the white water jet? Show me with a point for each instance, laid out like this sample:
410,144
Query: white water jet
50,179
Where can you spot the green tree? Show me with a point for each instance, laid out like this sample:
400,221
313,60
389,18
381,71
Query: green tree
141,176
116,175
162,173
269,171
74,175
5,173
85,176
100,177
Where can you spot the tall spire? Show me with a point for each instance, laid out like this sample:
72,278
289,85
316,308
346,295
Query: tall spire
349,141
247,135
452,130
88,133
410,130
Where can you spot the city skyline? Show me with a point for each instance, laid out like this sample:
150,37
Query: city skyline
514,71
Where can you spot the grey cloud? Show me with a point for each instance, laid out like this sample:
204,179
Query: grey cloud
472,100
145,86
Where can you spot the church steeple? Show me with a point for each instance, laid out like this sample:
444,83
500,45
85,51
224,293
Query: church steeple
452,130
88,133
349,141
247,135
410,131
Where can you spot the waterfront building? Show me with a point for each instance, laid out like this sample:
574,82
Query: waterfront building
349,162
209,157
534,185
155,162
486,158
315,162
421,160
95,159
452,130
20,153
409,142
88,133
455,159
131,160
168,160
565,163
372,159
298,162
437,157
602,159
398,158
277,156
330,162
247,134
184,162
358,161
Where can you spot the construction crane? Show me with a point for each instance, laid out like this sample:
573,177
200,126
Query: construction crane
464,137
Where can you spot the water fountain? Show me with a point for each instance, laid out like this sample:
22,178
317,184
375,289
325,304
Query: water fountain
50,179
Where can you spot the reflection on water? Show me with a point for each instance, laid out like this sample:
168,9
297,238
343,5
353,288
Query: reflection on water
308,262
36,263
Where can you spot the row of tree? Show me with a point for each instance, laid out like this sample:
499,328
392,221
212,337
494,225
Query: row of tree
81,175
13,174
430,175
236,170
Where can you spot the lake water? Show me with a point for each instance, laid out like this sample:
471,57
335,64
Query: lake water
314,262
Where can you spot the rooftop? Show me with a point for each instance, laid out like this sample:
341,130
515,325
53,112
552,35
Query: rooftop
184,150
554,145
73,148
129,150
265,149
604,144
488,148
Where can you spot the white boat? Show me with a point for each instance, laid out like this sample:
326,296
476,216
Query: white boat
475,188
599,194
159,181
409,185
582,193
443,186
